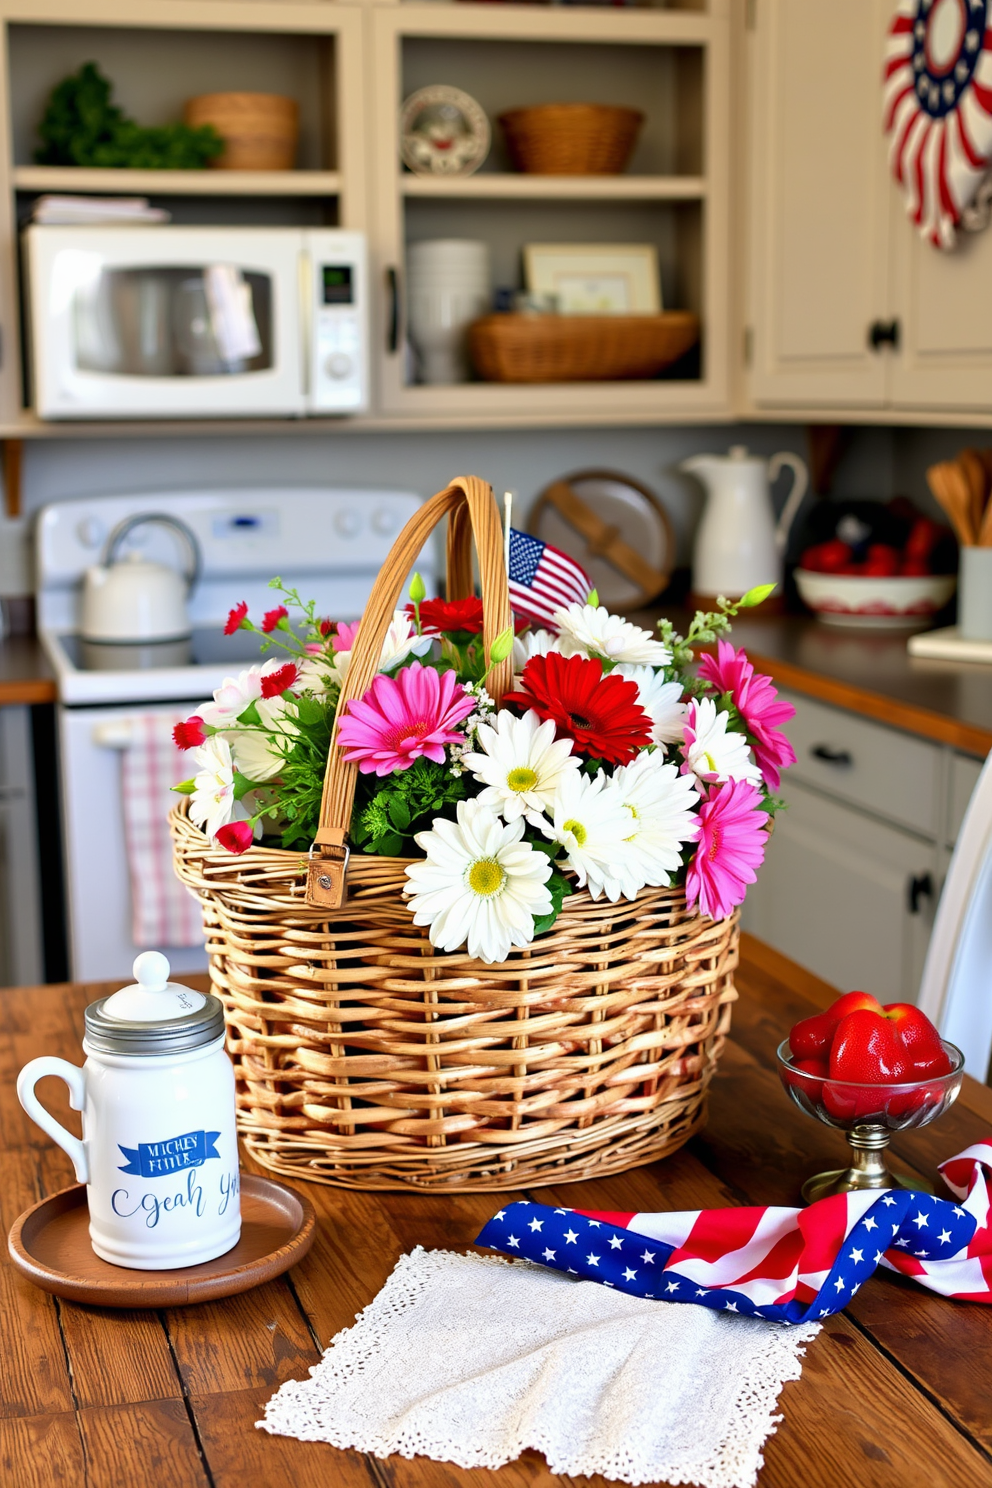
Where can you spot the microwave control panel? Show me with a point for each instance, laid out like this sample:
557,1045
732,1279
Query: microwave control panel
339,344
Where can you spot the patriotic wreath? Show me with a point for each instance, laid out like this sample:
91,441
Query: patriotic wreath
613,760
938,109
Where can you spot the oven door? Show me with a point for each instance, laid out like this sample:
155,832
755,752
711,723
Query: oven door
164,322
98,898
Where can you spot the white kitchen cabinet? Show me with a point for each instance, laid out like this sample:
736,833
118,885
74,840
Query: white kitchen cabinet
835,264
852,872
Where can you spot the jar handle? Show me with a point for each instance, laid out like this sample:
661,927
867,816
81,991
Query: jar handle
75,1078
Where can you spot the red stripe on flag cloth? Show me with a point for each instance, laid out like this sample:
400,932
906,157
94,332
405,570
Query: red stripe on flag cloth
900,24
779,1263
899,147
824,1234
717,1233
946,200
896,64
983,96
920,187
890,116
971,155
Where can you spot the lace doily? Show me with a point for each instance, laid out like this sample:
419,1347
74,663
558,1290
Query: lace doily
472,1359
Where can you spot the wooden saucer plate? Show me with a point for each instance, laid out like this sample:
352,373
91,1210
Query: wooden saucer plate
50,1244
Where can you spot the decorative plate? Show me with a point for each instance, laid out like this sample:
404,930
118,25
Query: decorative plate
443,132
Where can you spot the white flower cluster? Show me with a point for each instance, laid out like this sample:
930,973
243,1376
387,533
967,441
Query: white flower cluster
483,714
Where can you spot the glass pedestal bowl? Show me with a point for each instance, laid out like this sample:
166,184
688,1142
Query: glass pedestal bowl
868,1115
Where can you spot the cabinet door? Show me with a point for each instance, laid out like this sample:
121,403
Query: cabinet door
834,894
942,302
818,203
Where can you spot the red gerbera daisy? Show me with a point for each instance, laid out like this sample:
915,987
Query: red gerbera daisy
602,714
276,682
234,619
449,616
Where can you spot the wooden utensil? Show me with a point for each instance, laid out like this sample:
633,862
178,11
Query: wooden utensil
950,488
977,479
985,530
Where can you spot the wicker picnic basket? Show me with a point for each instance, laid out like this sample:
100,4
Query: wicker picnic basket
366,1058
579,348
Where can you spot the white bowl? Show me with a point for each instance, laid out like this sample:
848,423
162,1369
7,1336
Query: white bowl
875,603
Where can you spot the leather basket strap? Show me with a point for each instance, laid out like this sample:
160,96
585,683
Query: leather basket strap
471,509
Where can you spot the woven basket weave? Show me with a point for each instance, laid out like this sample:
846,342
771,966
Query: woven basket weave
579,348
571,139
366,1058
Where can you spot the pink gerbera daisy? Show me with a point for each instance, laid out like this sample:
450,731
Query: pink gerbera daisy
403,717
730,849
346,634
757,701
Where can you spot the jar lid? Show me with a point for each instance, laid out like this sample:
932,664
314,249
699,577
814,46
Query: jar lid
153,1016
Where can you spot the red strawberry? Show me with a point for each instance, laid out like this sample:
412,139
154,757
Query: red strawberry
920,1039
867,1049
813,1089
811,1038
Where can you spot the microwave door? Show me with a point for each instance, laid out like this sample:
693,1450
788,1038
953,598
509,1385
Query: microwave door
163,322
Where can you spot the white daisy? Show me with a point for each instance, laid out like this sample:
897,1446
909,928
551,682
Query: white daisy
212,804
587,630
521,766
401,641
531,643
235,693
663,807
260,753
479,885
711,750
591,823
661,700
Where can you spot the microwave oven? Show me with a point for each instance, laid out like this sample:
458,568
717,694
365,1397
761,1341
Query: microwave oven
150,321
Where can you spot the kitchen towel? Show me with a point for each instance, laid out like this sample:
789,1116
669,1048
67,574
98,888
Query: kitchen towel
163,911
473,1359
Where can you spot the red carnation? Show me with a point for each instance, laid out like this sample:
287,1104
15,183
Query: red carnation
271,618
602,714
274,683
447,616
189,734
326,626
236,618
237,836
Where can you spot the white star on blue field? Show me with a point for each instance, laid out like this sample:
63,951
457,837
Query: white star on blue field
595,1250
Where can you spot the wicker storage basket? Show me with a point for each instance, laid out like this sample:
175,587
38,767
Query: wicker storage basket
259,130
571,139
366,1058
579,348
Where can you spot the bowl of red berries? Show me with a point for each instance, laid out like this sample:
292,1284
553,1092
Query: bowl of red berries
868,1070
877,585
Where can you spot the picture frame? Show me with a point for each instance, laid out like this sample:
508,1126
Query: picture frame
595,278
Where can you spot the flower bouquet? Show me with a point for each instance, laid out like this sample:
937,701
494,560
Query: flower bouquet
587,830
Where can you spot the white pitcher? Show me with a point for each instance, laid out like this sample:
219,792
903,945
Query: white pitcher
159,1153
739,544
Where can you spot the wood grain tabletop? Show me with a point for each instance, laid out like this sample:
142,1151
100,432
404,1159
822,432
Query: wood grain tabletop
897,1390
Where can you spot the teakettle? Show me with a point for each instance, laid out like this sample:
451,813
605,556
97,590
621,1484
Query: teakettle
739,544
134,600
159,1153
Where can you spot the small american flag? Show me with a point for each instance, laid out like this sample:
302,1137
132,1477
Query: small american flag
543,579
786,1265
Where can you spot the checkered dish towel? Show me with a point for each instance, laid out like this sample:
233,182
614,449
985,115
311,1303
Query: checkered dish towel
163,911
473,1359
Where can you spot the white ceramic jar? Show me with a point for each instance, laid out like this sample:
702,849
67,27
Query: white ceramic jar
159,1153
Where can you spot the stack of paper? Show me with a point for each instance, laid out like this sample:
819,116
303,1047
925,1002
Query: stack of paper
84,210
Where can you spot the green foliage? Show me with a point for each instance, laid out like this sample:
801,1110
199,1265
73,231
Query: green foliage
302,775
81,126
708,626
559,888
388,812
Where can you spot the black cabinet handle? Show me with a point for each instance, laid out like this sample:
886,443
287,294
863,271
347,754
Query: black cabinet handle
883,333
919,886
839,757
393,316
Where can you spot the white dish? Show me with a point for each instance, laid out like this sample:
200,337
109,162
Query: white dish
874,603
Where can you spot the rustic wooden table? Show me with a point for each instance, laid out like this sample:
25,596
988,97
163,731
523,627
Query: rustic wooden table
897,1390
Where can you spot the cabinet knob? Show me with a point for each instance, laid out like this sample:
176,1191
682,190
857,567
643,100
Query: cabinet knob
830,756
919,886
883,333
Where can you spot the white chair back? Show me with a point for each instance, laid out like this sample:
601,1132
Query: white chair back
956,990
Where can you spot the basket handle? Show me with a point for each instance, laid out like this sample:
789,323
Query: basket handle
471,508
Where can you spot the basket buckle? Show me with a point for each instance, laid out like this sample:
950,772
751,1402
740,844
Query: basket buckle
327,875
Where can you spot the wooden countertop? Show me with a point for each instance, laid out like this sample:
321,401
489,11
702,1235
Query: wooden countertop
868,672
895,1391
25,674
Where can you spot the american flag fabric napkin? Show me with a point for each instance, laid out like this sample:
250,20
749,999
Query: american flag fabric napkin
787,1265
543,579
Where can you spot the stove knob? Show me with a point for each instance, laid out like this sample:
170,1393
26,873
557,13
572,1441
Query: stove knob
347,522
91,532
339,365
384,521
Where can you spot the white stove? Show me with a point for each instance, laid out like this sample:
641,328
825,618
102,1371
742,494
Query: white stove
327,543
